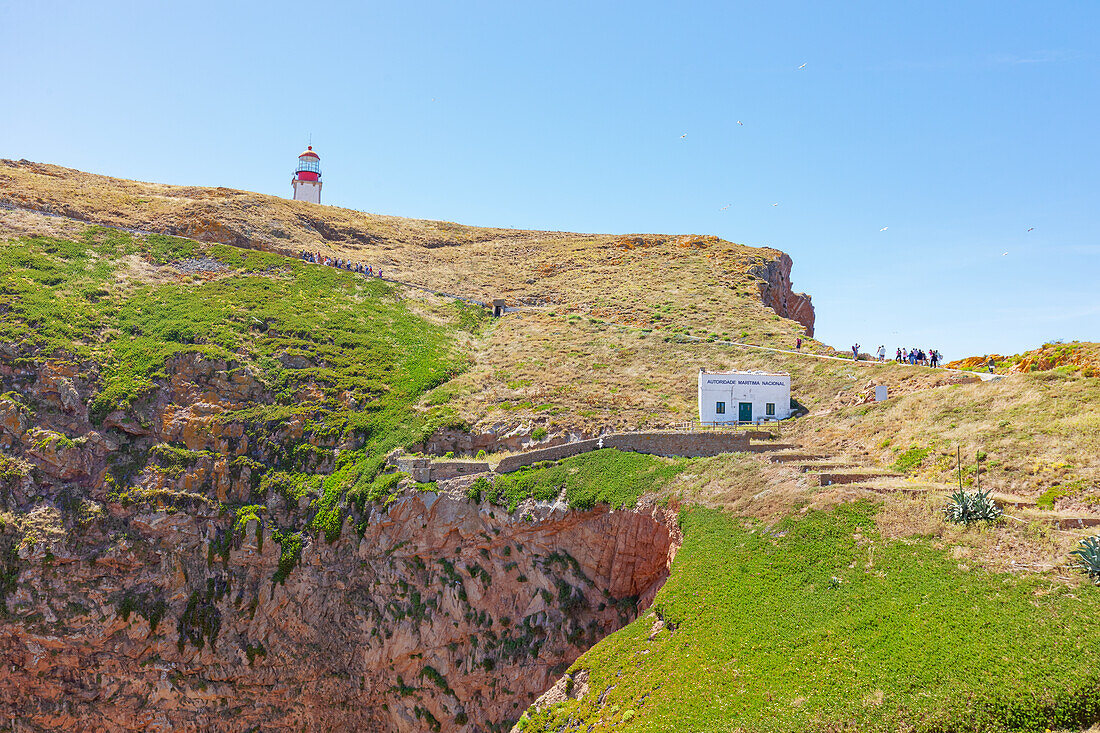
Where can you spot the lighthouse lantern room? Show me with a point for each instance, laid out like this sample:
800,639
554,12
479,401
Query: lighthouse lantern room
307,177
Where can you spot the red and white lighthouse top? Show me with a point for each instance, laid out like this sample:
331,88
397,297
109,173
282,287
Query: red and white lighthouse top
309,166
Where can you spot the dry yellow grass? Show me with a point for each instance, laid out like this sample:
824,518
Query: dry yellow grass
1040,432
603,349
664,282
582,374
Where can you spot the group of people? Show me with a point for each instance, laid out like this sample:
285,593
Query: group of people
339,263
915,357
930,358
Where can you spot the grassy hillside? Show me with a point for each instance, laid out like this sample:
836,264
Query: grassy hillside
1039,433
657,281
790,606
322,369
569,372
817,623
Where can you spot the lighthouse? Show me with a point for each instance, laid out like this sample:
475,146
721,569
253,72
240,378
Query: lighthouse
307,177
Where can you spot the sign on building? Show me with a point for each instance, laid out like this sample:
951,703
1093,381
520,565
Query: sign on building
733,397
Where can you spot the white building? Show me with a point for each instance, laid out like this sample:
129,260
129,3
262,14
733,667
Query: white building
307,177
732,397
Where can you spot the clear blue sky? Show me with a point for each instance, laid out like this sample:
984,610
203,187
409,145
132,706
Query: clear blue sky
957,125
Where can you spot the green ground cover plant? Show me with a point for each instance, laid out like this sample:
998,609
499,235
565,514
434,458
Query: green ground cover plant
818,624
336,351
605,476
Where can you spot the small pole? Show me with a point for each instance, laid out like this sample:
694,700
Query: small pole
959,462
978,470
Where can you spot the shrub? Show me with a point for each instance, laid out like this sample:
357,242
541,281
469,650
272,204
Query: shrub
966,507
539,433
290,551
478,488
481,454
1088,557
911,459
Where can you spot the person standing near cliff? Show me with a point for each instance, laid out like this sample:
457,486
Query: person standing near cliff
855,352
798,344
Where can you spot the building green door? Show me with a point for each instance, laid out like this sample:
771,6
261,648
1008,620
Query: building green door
744,412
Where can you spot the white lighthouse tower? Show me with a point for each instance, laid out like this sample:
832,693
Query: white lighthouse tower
307,177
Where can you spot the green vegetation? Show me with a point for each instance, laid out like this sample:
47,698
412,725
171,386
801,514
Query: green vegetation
604,476
966,507
1088,557
149,606
334,352
290,551
820,624
911,460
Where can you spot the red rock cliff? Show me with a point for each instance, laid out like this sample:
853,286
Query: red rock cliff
776,293
153,609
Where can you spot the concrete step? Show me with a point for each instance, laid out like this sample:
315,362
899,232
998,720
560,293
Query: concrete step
771,447
1059,521
830,478
825,465
794,457
891,488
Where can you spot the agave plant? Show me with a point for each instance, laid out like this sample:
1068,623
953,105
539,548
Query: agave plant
965,507
1088,557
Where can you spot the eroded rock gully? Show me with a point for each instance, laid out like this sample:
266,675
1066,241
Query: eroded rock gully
444,615
166,613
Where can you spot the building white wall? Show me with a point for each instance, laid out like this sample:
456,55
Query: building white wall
307,191
733,388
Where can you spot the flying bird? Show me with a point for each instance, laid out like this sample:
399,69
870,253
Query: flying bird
1030,228
724,207
803,66
683,136
1003,254
741,123
884,229
775,204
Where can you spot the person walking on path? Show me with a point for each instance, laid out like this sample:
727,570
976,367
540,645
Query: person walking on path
798,344
855,352
882,353
990,364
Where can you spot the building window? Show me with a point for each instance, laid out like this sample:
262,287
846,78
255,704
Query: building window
720,408
769,409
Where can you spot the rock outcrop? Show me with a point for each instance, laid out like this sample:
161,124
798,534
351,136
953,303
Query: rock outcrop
774,281
443,615
151,605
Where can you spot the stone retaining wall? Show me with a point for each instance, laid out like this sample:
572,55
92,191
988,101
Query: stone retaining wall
442,470
556,453
688,445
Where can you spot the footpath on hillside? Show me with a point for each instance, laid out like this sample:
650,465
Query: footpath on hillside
985,377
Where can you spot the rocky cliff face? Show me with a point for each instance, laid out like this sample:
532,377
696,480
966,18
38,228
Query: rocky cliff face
774,281
153,608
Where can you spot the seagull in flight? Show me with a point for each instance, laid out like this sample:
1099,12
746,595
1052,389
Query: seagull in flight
775,204
803,66
1030,228
741,123
683,136
884,229
1003,254
724,207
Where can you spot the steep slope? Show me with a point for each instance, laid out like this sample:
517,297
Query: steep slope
203,527
199,529
664,282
